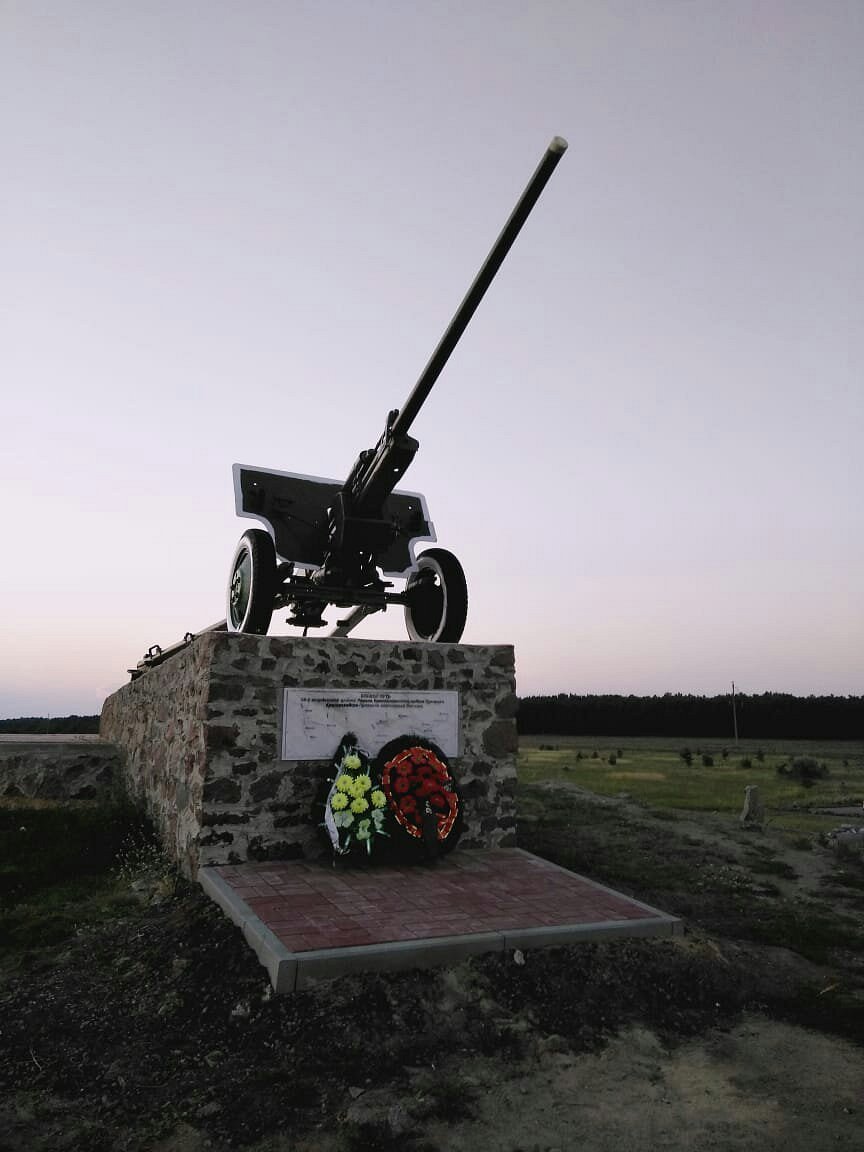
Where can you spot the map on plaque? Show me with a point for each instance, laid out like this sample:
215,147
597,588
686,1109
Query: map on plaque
314,720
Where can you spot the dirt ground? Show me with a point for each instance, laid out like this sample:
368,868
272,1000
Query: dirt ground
155,1028
740,1089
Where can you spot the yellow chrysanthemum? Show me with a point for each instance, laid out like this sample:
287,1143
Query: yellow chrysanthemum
378,798
361,785
344,783
338,801
351,762
359,805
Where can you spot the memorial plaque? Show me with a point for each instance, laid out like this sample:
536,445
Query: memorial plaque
314,720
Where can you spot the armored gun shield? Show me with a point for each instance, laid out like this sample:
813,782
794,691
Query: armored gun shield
292,564
296,510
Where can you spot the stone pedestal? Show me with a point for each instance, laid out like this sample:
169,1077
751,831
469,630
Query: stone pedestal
201,736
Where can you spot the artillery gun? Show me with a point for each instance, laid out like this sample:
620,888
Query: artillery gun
327,542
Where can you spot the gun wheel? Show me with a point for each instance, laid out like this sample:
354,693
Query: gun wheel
252,585
437,598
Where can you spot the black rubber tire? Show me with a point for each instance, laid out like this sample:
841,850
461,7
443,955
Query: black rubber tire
437,612
252,584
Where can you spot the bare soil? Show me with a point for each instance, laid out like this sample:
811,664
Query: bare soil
152,1026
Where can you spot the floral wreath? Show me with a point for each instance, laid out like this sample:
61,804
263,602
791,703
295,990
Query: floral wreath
421,796
355,811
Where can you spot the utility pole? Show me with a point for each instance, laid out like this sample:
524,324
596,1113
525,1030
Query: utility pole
734,713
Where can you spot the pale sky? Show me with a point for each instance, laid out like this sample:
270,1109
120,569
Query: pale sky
234,232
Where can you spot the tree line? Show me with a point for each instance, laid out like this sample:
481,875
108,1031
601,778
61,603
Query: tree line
771,715
50,725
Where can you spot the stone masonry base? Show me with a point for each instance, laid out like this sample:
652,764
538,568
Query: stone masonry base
200,739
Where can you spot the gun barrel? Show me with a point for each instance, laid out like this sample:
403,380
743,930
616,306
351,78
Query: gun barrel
478,289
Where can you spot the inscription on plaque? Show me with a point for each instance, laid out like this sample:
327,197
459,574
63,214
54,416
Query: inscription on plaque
314,720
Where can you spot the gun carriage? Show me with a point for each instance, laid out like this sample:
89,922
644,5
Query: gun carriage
327,542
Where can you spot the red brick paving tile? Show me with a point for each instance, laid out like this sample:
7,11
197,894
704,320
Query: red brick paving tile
338,931
297,900
351,940
322,940
377,926
266,908
334,924
293,941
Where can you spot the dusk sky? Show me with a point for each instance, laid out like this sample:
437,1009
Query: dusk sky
234,232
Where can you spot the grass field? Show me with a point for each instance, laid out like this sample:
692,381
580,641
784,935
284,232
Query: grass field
652,771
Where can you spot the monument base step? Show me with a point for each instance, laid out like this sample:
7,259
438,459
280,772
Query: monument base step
308,922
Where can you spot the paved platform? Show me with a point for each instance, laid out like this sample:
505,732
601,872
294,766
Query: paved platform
309,922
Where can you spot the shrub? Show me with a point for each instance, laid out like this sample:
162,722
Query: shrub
613,759
746,762
806,769
725,753
760,755
707,761
687,756
594,754
619,753
578,755
142,858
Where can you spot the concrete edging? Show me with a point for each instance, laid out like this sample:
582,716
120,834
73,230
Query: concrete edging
279,962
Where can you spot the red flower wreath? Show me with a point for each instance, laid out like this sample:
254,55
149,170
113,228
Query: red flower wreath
412,779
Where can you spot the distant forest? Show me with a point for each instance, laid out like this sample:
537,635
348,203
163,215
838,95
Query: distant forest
50,725
773,715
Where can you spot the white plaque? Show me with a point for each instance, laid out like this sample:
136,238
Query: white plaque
314,720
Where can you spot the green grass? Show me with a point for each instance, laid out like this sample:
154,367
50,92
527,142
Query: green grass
652,771
42,844
807,823
59,869
841,749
